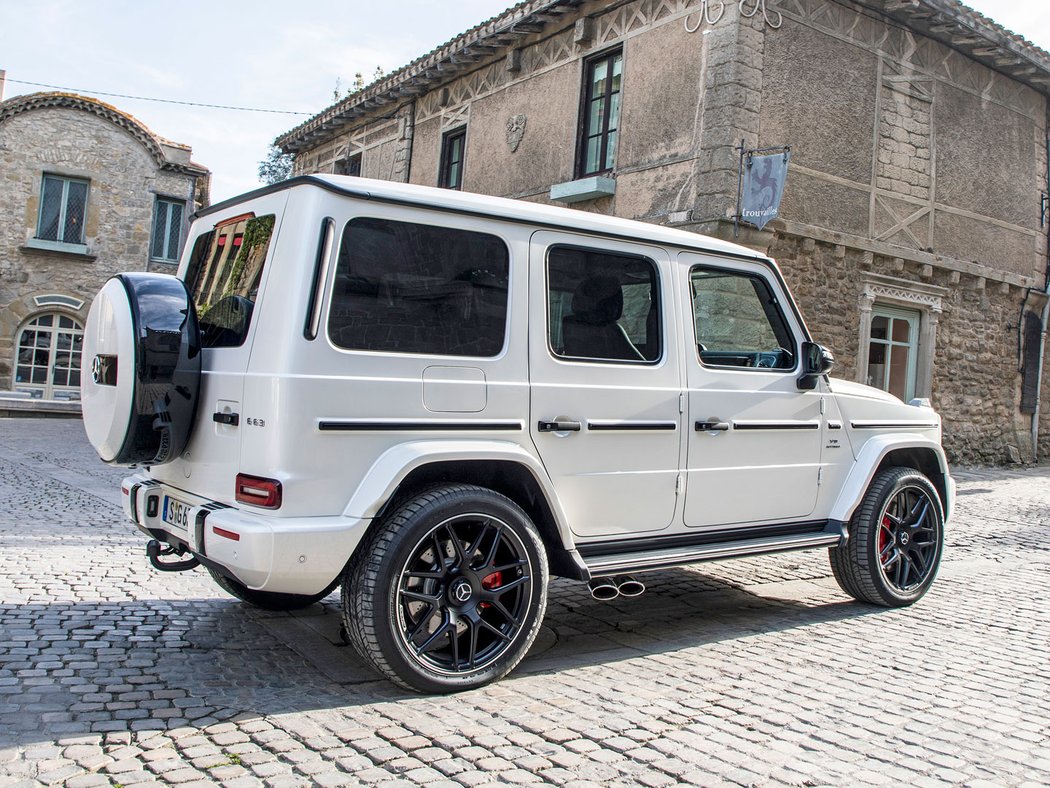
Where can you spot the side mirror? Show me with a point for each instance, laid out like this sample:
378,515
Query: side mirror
817,360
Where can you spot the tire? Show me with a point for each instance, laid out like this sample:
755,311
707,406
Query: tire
896,538
449,591
267,600
142,344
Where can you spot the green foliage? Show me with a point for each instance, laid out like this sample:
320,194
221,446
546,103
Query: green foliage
276,167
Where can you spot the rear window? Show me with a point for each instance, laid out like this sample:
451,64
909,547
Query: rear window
224,274
402,287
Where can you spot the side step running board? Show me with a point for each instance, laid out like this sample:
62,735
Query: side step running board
603,565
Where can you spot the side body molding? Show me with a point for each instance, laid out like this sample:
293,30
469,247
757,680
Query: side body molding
396,463
871,454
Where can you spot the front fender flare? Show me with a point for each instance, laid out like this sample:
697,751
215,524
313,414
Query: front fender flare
396,463
871,455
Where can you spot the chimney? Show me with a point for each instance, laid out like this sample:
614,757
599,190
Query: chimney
3,79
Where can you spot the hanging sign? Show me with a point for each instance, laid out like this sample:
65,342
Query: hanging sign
762,186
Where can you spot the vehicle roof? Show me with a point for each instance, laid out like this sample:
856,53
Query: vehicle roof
518,211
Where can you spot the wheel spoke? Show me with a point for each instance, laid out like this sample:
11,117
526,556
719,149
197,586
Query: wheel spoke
501,590
423,621
906,571
892,560
430,599
472,649
915,520
920,564
457,545
494,630
438,633
887,550
425,575
508,567
502,610
482,530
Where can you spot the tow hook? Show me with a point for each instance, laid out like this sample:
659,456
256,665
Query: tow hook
154,550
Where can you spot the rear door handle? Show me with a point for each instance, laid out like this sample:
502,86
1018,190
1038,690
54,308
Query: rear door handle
712,426
559,426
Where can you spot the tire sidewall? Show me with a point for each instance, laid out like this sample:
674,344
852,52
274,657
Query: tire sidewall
414,524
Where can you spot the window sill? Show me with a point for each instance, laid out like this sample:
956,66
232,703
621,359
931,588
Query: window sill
583,189
39,246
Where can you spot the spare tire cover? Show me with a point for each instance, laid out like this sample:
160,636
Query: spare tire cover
143,352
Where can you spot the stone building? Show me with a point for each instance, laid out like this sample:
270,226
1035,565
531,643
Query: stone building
86,191
910,228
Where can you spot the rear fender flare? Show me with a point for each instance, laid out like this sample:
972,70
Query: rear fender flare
396,463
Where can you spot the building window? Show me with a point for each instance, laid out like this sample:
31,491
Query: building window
600,116
63,206
167,230
352,165
453,147
48,364
893,350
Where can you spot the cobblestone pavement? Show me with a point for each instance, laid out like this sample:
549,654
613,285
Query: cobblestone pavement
757,671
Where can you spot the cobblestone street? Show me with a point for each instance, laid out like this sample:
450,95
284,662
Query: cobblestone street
757,671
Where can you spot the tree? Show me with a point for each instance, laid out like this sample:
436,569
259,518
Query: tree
276,167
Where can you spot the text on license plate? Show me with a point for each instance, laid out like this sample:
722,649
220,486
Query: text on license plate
176,513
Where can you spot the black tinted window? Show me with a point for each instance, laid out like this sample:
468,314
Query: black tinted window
416,288
602,306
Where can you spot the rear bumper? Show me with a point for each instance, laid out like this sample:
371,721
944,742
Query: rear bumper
296,555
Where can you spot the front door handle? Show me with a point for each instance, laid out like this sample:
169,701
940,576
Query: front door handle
712,426
559,426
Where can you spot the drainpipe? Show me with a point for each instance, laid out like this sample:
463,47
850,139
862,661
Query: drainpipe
1042,336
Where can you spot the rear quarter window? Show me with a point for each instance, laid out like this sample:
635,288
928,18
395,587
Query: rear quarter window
402,287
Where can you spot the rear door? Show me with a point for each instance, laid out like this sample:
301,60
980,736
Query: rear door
605,383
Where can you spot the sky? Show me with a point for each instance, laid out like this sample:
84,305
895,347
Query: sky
255,53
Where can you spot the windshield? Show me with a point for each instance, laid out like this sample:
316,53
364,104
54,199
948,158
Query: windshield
224,275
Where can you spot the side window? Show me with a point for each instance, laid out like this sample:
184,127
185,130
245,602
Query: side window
402,287
602,306
224,275
738,321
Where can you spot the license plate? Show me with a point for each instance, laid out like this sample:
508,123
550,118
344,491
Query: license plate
176,513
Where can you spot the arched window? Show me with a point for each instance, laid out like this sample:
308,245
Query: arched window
48,364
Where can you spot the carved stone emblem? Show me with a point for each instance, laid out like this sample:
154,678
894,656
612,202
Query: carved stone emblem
515,131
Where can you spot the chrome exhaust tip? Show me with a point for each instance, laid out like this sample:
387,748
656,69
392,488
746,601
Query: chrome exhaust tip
628,586
604,589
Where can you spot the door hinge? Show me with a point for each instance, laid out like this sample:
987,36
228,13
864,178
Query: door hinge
681,402
820,475
678,485
822,406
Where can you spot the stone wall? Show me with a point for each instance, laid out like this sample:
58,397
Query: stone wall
124,176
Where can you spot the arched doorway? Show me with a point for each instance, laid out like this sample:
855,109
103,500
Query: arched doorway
48,360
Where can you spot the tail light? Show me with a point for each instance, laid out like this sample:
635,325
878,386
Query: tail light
257,491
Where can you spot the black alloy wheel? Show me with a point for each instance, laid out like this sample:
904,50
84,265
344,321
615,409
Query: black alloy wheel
464,594
896,537
447,593
908,538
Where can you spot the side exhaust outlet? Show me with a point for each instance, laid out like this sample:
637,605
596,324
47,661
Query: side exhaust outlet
604,589
628,586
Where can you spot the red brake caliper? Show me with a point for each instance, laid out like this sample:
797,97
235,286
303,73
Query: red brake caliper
493,581
884,534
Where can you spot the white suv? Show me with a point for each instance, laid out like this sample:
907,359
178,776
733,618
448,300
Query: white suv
437,399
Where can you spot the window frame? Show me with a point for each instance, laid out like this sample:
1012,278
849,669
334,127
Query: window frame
914,319
586,98
48,388
777,304
448,140
168,202
658,291
60,239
